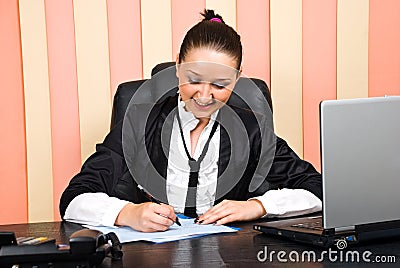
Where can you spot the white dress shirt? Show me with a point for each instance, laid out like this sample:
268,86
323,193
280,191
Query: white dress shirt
178,167
100,209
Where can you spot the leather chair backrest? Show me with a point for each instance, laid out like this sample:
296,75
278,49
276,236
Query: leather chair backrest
252,89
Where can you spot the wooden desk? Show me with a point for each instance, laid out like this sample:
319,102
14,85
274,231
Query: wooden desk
224,250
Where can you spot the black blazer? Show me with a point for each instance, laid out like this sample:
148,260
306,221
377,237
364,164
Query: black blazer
246,168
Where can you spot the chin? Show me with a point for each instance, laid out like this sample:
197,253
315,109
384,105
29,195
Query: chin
203,114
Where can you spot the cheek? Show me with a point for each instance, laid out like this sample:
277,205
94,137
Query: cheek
186,92
222,95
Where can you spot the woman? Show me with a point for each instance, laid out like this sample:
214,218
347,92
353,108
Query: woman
202,145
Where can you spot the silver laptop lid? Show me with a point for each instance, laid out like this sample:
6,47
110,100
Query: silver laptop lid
360,149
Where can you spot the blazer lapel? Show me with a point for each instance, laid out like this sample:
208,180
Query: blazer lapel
158,136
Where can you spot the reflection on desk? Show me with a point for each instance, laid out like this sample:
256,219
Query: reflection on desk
246,248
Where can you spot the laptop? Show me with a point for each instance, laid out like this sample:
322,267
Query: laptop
360,163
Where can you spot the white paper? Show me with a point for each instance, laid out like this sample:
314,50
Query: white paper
189,229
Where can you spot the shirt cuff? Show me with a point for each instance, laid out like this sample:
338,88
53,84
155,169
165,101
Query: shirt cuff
111,214
289,202
94,209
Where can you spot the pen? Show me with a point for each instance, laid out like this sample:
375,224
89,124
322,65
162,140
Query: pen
152,199
35,241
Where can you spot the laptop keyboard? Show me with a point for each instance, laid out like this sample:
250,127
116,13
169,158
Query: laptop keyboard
315,225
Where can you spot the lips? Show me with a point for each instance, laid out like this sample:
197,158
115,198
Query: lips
204,103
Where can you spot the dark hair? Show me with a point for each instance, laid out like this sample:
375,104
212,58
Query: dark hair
212,34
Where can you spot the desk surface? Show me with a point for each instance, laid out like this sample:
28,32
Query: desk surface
223,250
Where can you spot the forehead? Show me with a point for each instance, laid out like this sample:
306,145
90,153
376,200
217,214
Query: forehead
207,70
208,64
208,61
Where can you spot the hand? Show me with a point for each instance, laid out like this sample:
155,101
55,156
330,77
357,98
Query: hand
229,210
146,217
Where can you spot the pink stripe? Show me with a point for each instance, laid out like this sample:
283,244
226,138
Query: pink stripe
185,14
125,43
383,48
63,95
13,171
319,69
253,26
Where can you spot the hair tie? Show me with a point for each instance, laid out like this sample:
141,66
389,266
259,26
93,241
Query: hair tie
216,19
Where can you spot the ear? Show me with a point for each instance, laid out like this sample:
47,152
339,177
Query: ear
239,73
177,65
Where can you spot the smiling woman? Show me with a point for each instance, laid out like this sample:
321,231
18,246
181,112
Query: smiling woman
205,152
206,81
205,87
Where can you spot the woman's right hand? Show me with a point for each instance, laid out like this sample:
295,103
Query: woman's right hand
146,217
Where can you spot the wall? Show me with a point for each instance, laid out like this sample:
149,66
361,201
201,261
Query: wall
61,61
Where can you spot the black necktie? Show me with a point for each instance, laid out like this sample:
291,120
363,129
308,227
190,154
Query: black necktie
190,210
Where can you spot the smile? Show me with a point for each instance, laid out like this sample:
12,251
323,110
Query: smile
204,104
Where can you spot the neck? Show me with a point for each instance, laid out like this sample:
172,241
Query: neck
203,121
195,133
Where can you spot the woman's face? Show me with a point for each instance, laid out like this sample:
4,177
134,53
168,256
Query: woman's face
206,79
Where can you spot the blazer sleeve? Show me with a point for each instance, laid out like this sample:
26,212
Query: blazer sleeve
289,171
100,172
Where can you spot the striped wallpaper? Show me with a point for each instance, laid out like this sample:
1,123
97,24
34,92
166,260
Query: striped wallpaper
61,62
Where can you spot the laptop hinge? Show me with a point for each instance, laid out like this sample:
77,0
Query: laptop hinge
344,229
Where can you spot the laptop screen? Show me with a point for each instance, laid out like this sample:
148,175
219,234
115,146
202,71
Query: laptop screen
360,153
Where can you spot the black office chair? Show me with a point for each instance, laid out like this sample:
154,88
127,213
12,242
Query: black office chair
245,94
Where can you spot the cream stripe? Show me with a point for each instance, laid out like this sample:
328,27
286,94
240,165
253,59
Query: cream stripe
93,71
286,70
226,8
156,34
37,110
352,49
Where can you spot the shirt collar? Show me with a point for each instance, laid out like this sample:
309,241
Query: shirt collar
188,120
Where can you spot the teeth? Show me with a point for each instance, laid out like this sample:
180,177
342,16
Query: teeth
202,104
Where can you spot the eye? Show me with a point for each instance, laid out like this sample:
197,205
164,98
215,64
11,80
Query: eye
194,81
218,86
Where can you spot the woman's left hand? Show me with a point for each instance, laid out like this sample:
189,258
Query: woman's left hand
229,210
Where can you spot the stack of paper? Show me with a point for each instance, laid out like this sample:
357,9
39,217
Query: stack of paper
188,230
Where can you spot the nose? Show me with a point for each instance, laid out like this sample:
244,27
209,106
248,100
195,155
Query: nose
205,90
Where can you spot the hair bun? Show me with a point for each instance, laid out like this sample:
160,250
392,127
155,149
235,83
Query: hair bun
210,15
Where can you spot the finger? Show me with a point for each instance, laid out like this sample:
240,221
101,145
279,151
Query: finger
152,220
218,206
212,210
167,206
222,206
213,218
218,212
154,228
227,219
147,225
163,220
171,213
165,210
160,209
159,215
149,230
